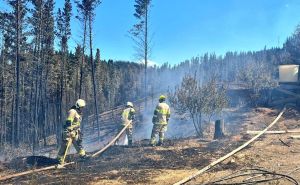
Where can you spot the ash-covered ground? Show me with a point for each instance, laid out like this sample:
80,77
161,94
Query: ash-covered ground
180,157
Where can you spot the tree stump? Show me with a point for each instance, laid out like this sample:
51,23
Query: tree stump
219,129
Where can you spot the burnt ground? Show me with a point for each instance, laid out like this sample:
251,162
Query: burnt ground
134,165
276,153
179,158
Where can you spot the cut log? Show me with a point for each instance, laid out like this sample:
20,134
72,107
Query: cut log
219,129
253,132
295,137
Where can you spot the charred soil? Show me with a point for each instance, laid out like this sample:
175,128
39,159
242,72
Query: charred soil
179,158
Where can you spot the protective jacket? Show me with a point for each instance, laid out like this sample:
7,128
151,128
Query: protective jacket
73,120
161,114
127,116
71,134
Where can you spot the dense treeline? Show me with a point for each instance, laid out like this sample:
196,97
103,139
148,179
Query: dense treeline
255,70
39,81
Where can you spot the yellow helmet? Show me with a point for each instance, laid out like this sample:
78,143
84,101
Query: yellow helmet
162,98
129,104
80,103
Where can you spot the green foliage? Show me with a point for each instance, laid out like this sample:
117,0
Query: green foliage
292,48
63,25
258,79
141,11
216,98
50,78
190,97
86,7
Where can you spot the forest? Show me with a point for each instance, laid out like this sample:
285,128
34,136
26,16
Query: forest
40,80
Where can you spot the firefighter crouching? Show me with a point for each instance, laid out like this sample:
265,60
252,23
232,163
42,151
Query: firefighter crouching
72,133
128,116
160,121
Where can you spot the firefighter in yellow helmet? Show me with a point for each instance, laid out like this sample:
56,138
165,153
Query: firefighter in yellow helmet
160,121
71,132
128,116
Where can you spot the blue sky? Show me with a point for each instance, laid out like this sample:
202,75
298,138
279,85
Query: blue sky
185,28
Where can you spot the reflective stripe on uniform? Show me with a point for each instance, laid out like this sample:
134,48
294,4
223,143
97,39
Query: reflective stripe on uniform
127,115
74,118
162,113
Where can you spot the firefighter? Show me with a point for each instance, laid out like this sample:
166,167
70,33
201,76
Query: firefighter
160,121
72,133
128,116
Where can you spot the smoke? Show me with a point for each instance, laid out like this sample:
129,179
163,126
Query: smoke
125,140
144,125
178,127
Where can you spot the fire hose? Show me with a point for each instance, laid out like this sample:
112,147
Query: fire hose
187,179
66,164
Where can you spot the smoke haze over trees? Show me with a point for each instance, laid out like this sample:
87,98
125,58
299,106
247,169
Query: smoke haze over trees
39,82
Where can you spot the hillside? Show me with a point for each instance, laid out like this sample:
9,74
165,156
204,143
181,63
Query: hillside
179,158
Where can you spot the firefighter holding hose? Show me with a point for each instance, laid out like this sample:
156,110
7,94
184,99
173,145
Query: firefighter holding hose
160,121
71,132
127,117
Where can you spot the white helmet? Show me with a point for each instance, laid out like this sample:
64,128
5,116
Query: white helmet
80,103
129,104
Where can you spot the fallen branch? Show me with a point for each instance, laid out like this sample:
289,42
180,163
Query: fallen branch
258,173
284,143
183,181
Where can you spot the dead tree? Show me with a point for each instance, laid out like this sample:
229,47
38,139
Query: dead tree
219,129
140,35
87,10
18,15
82,17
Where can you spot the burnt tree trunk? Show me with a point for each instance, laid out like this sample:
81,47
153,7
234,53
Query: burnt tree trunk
17,73
93,77
219,129
82,58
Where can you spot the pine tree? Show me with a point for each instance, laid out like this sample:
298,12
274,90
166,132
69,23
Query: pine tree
87,13
82,17
18,17
140,35
63,33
